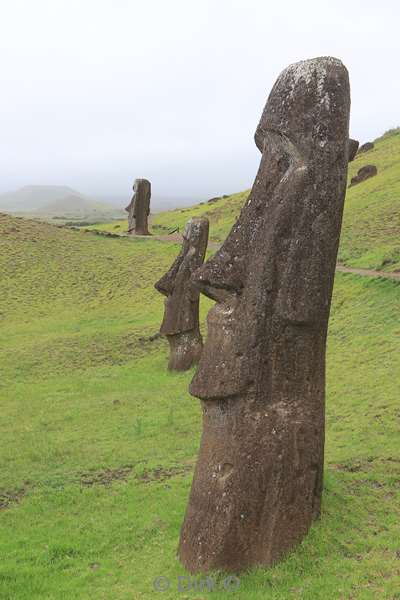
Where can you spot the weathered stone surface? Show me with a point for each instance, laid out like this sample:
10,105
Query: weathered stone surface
353,147
139,208
261,378
364,173
365,147
181,316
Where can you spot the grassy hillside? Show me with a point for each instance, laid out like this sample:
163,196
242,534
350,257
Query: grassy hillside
371,226
75,207
98,440
222,213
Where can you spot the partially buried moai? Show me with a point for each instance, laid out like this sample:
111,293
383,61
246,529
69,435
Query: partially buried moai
181,316
258,481
139,208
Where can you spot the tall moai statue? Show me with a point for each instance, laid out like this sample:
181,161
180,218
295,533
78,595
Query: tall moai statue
139,208
261,378
181,316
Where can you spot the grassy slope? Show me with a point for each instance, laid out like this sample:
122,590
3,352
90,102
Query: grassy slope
222,215
371,227
99,440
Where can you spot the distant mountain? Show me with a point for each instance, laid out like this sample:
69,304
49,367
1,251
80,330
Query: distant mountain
75,206
57,202
158,202
32,197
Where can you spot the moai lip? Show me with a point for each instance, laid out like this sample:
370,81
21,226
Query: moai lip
139,208
181,316
261,378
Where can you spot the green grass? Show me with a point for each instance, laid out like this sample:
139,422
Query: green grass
371,226
98,440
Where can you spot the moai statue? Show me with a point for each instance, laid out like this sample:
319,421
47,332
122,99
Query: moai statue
181,316
139,208
353,148
261,378
364,173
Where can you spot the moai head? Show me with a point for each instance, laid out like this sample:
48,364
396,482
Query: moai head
139,208
277,264
181,315
353,148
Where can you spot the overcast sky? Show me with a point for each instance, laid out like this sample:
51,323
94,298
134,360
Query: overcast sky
97,92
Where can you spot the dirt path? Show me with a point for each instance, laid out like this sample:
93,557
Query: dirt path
342,268
177,237
367,272
174,237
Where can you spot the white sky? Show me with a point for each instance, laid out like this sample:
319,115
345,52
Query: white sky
97,92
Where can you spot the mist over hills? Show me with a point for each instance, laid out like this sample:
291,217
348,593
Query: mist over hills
62,202
57,202
159,202
32,197
75,205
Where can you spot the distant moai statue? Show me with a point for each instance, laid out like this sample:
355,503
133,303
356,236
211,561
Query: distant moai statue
353,148
366,147
364,173
261,378
139,208
181,316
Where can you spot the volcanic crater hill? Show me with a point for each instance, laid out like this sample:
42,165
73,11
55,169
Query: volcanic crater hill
98,440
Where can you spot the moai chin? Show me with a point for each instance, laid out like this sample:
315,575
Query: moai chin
261,378
181,316
139,208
